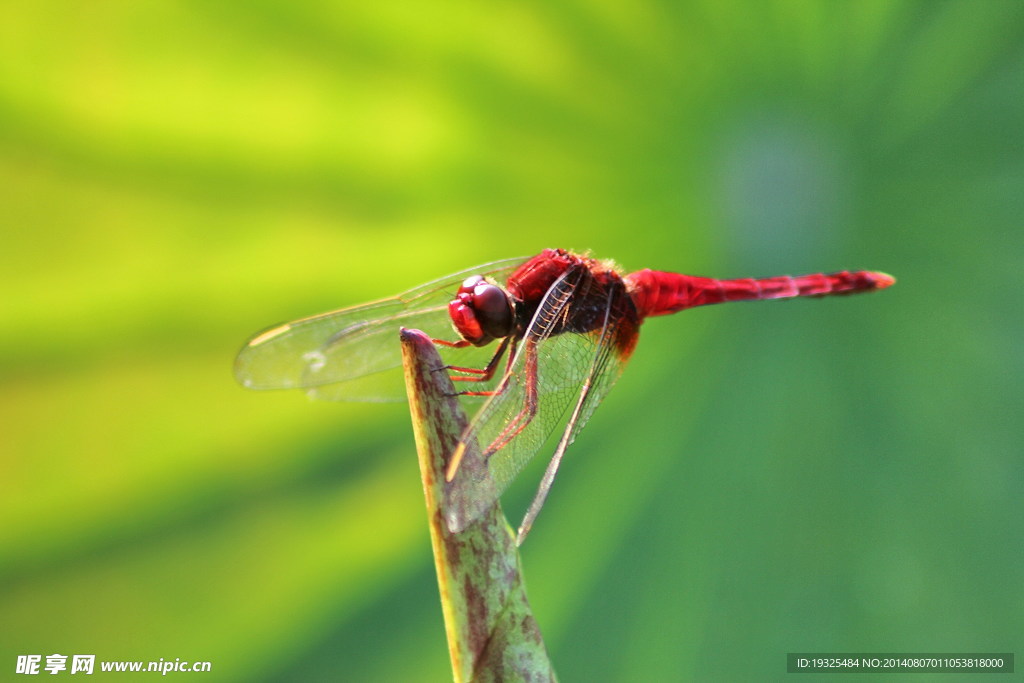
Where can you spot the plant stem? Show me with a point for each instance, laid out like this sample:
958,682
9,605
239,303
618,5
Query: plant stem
492,635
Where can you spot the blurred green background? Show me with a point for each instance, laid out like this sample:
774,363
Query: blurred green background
839,475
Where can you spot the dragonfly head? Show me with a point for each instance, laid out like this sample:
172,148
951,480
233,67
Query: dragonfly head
481,311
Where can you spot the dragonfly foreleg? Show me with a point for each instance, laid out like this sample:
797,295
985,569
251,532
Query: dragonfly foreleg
480,374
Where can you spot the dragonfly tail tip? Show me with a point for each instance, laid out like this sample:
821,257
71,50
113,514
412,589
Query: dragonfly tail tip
883,280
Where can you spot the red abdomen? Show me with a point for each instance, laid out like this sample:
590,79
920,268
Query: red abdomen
659,293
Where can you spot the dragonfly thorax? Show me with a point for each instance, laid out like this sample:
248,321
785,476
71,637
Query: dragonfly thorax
482,311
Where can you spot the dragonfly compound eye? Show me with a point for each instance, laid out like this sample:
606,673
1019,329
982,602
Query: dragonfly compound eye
481,311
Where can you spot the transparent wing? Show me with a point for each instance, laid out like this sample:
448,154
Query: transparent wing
551,374
353,353
614,347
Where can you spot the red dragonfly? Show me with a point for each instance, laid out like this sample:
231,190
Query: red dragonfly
566,322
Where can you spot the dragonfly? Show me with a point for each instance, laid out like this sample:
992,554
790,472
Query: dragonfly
562,327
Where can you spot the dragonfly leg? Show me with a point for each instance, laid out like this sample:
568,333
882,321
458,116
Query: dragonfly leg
480,374
486,373
529,409
457,344
492,366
